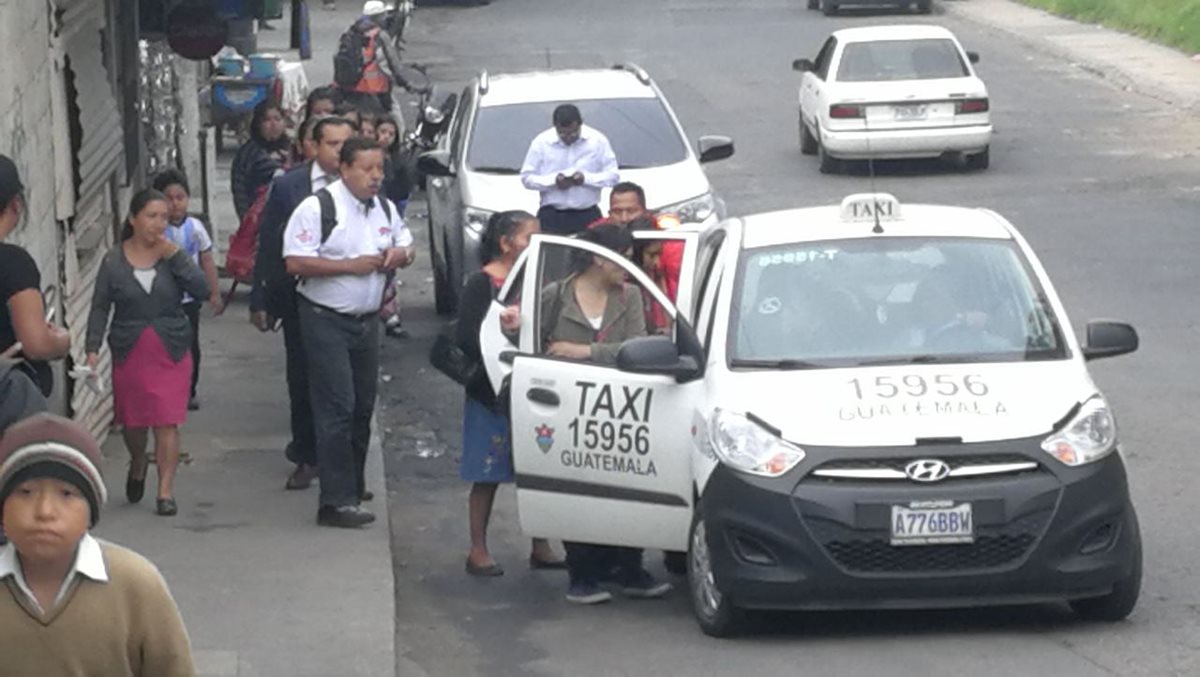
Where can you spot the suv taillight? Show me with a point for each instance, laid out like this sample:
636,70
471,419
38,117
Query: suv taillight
968,106
843,112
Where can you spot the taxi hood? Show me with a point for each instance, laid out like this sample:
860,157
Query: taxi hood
666,185
897,405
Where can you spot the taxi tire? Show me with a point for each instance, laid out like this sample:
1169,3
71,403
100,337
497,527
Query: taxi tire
1118,604
808,142
726,620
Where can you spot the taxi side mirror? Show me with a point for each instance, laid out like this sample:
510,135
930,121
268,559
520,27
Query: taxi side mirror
713,148
657,355
803,65
1109,339
435,163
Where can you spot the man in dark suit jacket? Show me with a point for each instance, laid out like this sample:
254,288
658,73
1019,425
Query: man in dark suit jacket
273,297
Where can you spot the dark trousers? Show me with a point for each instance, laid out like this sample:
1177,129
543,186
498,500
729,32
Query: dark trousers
590,564
566,221
343,372
192,310
303,448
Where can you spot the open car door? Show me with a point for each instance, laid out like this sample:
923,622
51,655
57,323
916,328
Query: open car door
601,451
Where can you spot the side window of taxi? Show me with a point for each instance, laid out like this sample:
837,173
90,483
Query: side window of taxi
588,305
824,57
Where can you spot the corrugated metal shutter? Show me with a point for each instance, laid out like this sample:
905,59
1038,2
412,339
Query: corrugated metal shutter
101,147
99,159
91,410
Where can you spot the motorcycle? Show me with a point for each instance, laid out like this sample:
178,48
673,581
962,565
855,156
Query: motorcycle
435,108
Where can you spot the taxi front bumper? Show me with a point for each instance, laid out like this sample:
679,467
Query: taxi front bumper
906,143
801,542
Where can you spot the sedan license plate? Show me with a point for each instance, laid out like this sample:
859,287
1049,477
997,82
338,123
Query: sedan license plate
932,523
909,113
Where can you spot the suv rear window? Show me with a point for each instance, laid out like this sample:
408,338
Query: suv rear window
887,60
640,131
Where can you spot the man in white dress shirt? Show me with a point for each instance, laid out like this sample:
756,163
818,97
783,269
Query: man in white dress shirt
569,164
343,266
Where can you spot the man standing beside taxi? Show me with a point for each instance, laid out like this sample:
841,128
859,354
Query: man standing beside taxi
569,164
342,253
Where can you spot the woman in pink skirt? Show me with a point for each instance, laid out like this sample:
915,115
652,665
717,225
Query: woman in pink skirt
141,283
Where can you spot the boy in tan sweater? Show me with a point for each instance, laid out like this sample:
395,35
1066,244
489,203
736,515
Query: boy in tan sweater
70,604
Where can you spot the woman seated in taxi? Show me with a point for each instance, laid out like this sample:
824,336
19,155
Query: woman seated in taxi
590,313
648,255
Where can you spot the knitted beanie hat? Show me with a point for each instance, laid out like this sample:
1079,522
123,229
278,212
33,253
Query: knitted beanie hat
46,445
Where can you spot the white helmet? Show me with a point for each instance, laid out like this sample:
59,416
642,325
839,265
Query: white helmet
374,7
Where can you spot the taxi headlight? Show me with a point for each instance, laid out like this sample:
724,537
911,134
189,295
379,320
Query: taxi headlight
695,210
747,446
1090,436
476,221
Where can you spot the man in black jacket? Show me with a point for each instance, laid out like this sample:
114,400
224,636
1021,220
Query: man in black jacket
273,298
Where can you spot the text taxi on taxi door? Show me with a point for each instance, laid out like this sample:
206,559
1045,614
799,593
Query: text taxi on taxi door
868,405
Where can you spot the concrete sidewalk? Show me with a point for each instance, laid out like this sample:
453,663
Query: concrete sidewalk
263,590
1130,62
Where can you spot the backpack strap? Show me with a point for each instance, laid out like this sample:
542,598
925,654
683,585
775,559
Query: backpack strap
328,213
387,208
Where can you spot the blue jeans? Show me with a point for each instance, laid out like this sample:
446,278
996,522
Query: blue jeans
343,372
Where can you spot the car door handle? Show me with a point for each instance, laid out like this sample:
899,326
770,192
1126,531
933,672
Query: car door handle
543,396
507,356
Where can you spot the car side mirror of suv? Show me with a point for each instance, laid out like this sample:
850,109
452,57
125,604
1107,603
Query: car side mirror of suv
435,163
656,355
973,57
1109,339
713,148
803,65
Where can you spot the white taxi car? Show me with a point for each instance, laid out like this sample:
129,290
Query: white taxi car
859,406
893,92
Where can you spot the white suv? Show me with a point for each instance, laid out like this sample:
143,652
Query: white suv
475,172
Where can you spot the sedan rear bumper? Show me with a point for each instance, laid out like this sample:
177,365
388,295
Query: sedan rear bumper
906,143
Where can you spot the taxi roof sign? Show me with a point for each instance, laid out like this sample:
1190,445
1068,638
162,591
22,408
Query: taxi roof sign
870,208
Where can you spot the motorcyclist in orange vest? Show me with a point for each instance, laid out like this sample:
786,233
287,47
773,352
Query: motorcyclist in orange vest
376,81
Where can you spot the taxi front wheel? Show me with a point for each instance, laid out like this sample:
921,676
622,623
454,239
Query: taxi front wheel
1118,604
714,611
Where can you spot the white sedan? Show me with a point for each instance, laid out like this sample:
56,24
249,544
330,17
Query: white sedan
893,92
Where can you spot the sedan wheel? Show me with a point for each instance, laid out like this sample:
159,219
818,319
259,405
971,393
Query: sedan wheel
979,161
829,164
829,7
714,611
814,4
808,142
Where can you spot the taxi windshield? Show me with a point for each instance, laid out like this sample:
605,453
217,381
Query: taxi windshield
844,303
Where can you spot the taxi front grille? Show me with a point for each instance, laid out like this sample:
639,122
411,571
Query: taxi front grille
870,552
892,469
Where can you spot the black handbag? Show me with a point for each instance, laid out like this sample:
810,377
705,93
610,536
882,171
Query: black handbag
449,358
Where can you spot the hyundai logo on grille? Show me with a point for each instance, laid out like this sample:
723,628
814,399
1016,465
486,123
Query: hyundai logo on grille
927,470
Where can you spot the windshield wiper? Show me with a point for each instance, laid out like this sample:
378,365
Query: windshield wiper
773,364
496,170
910,359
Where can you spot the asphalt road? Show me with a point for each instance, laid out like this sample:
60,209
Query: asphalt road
1106,186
